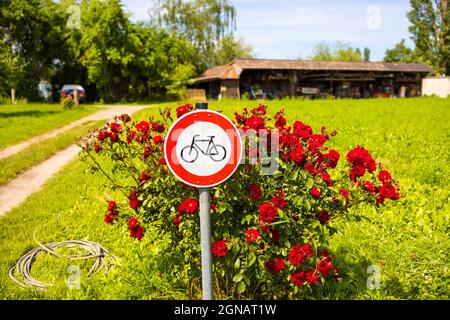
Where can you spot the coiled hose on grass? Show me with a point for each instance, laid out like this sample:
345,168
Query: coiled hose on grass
94,251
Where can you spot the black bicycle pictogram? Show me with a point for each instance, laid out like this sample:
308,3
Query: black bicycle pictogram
216,152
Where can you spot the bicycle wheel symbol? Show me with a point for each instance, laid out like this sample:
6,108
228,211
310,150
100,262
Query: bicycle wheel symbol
216,152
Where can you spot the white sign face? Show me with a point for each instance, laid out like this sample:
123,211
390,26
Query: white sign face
203,148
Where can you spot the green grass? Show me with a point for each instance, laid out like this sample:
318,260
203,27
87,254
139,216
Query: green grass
410,237
38,152
22,121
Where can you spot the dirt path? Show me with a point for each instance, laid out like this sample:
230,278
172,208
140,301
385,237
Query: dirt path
19,189
105,114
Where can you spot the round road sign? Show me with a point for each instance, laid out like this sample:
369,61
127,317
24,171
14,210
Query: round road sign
203,148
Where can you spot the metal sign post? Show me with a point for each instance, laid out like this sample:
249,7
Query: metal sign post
205,234
203,148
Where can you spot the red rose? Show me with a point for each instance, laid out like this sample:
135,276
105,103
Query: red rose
278,201
368,186
255,122
307,250
138,232
344,193
267,213
254,192
132,223
157,127
177,220
113,136
324,217
143,127
134,201
326,178
384,176
275,265
310,168
298,278
316,142
302,130
388,191
260,110
182,110
297,255
102,135
361,160
110,217
125,118
312,277
280,121
112,205
324,267
332,158
251,235
219,248
315,192
98,147
188,206
115,127
144,177
158,140
297,154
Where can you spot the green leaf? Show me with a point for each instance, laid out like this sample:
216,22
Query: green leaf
251,259
238,277
237,264
241,287
309,183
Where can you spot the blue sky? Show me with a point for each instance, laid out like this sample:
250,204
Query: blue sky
280,29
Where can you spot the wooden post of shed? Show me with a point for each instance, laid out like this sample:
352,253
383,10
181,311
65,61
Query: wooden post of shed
293,81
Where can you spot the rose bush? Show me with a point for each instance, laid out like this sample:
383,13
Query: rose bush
270,232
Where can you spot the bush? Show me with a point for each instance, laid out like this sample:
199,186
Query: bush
270,232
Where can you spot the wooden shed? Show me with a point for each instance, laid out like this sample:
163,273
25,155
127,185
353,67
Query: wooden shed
268,79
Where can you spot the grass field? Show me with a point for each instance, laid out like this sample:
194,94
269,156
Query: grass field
409,239
38,152
22,121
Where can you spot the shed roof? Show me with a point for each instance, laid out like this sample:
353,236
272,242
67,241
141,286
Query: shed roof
234,69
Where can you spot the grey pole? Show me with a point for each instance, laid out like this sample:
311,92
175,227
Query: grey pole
205,234
205,244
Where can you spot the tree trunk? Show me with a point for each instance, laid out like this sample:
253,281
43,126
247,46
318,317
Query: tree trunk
13,96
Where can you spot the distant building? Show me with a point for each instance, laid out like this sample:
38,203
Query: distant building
267,79
436,86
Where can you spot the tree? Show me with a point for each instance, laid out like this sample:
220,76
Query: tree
430,32
201,22
230,48
31,41
366,54
400,53
340,52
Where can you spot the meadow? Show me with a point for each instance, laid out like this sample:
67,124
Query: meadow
408,239
23,120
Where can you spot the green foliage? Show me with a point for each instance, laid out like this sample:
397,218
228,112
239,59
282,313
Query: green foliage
430,30
230,48
340,52
400,53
